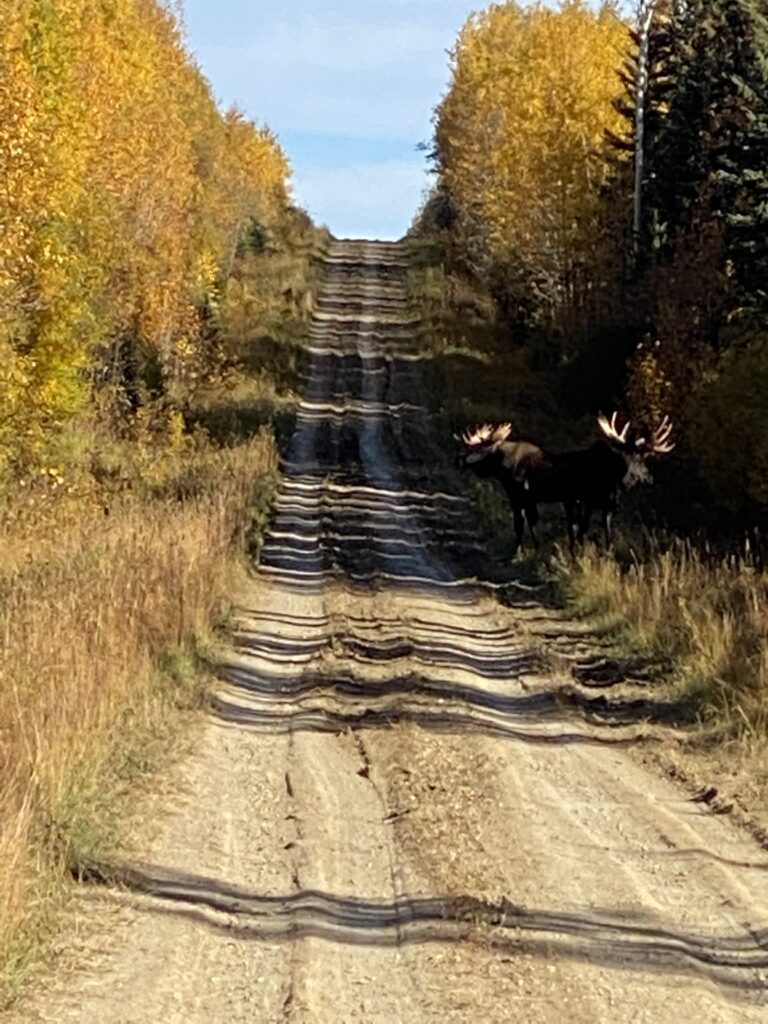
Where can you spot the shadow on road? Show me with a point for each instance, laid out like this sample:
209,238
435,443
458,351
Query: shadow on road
605,938
314,700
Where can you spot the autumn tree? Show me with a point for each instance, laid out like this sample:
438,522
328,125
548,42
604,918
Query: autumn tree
123,192
520,143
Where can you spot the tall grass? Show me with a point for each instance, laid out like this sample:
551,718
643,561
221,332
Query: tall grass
704,619
87,623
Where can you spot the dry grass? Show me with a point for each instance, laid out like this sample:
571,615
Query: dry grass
705,620
94,623
116,554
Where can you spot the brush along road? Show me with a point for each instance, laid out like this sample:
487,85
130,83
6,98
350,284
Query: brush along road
393,815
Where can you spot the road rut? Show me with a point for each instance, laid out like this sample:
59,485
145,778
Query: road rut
393,814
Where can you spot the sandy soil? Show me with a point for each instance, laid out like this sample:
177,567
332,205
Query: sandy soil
395,814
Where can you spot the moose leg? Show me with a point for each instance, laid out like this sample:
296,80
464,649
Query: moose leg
532,515
570,515
608,510
573,519
517,515
584,521
607,516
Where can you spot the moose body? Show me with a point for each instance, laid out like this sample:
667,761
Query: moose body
515,465
527,474
590,480
583,481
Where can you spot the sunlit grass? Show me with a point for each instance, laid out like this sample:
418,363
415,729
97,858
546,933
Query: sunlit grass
95,626
704,619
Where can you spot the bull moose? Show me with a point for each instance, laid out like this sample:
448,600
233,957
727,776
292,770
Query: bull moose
583,481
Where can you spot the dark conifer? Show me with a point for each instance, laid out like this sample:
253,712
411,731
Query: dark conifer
710,158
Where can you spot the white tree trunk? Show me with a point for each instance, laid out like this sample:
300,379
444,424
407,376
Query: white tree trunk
644,18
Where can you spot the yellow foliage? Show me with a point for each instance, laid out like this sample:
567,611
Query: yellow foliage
520,134
649,387
176,431
123,193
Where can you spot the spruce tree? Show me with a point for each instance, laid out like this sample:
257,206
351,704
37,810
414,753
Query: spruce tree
740,151
710,159
663,41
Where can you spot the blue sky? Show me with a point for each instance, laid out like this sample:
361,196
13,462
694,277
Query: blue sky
349,88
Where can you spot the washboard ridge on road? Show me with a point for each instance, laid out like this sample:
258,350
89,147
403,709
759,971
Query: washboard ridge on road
358,494
392,814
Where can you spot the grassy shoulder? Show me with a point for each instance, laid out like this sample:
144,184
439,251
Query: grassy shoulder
701,623
117,563
703,619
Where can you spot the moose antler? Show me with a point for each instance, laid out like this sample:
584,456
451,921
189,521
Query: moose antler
660,442
502,432
610,430
488,433
479,435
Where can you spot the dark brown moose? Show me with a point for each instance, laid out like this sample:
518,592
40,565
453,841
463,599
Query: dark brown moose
583,481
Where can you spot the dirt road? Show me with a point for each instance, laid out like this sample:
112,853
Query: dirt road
393,814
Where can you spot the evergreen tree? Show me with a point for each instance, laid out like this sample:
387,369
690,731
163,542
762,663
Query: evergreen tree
710,159
664,39
740,151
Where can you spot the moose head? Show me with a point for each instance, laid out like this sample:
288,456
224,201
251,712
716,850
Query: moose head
636,448
491,454
484,440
